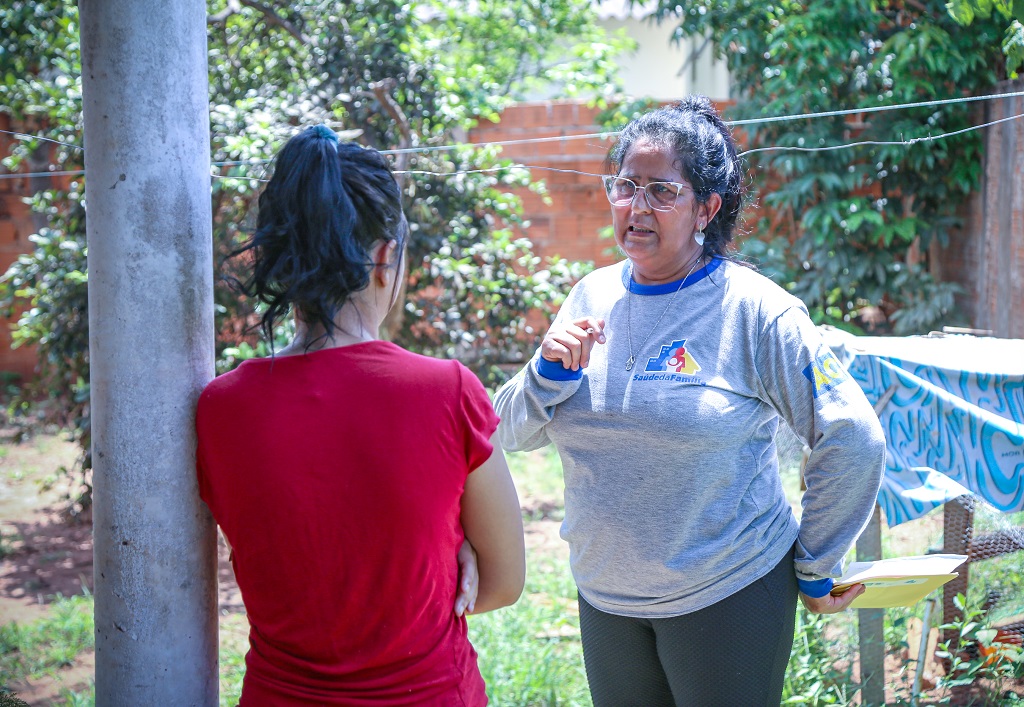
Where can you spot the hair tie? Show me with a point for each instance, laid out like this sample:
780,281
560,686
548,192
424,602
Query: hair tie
326,133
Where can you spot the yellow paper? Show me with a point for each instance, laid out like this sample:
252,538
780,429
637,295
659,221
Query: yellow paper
898,581
887,592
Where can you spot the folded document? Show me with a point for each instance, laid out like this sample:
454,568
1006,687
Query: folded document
897,581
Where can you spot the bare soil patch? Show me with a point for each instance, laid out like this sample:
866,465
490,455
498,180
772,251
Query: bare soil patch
45,555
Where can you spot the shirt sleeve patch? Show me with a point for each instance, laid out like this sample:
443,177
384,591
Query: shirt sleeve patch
825,373
815,588
553,370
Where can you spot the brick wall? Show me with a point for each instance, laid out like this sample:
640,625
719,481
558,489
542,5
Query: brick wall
569,225
16,224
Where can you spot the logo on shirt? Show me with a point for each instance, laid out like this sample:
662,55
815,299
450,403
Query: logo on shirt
674,357
825,373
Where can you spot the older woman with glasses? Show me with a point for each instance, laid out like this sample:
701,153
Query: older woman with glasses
662,383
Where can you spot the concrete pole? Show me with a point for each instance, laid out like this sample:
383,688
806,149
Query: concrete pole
147,164
870,622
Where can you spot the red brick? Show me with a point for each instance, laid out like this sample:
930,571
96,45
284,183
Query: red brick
532,203
6,258
12,206
8,232
539,230
565,114
21,361
528,115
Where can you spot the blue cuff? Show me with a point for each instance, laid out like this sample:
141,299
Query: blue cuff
553,370
815,588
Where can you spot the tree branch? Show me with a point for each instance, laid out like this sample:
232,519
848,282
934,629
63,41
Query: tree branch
269,13
232,8
382,92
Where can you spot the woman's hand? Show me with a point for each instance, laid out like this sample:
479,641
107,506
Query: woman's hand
469,579
571,343
829,604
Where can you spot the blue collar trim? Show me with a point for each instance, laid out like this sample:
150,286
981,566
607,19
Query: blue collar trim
668,287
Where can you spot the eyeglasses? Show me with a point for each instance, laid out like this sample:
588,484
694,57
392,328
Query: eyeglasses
661,196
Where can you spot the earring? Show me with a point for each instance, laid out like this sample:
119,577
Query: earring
699,236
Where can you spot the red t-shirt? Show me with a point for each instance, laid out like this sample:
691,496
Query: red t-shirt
337,478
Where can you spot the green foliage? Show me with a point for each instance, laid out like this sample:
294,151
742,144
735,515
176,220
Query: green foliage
965,11
1013,46
73,698
406,76
530,653
494,284
47,644
234,644
388,74
852,227
813,677
46,289
9,699
40,75
978,655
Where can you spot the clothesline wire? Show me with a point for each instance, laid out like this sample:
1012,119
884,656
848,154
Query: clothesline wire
912,141
56,173
877,109
33,138
613,133
513,166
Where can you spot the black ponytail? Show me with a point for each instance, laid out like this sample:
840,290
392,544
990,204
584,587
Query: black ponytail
707,158
326,205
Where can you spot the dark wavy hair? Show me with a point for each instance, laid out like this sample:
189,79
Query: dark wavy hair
706,156
326,204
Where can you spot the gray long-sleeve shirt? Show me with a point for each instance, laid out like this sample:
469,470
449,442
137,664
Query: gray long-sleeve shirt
672,494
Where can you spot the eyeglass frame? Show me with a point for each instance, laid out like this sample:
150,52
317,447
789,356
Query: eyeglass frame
637,188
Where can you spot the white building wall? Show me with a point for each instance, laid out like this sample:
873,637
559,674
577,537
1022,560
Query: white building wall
660,69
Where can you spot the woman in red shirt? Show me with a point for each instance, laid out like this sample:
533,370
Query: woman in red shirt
345,472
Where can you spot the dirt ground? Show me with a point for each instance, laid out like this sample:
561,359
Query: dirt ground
42,557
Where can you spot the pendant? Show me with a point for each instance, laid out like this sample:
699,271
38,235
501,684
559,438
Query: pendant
630,362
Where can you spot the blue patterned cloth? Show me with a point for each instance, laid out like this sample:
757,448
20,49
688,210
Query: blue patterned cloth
953,419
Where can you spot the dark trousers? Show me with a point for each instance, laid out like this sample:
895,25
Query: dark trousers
730,654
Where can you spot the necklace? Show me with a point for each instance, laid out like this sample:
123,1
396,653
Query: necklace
629,314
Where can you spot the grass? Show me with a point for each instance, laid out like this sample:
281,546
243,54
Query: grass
538,479
48,644
530,653
83,698
234,643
